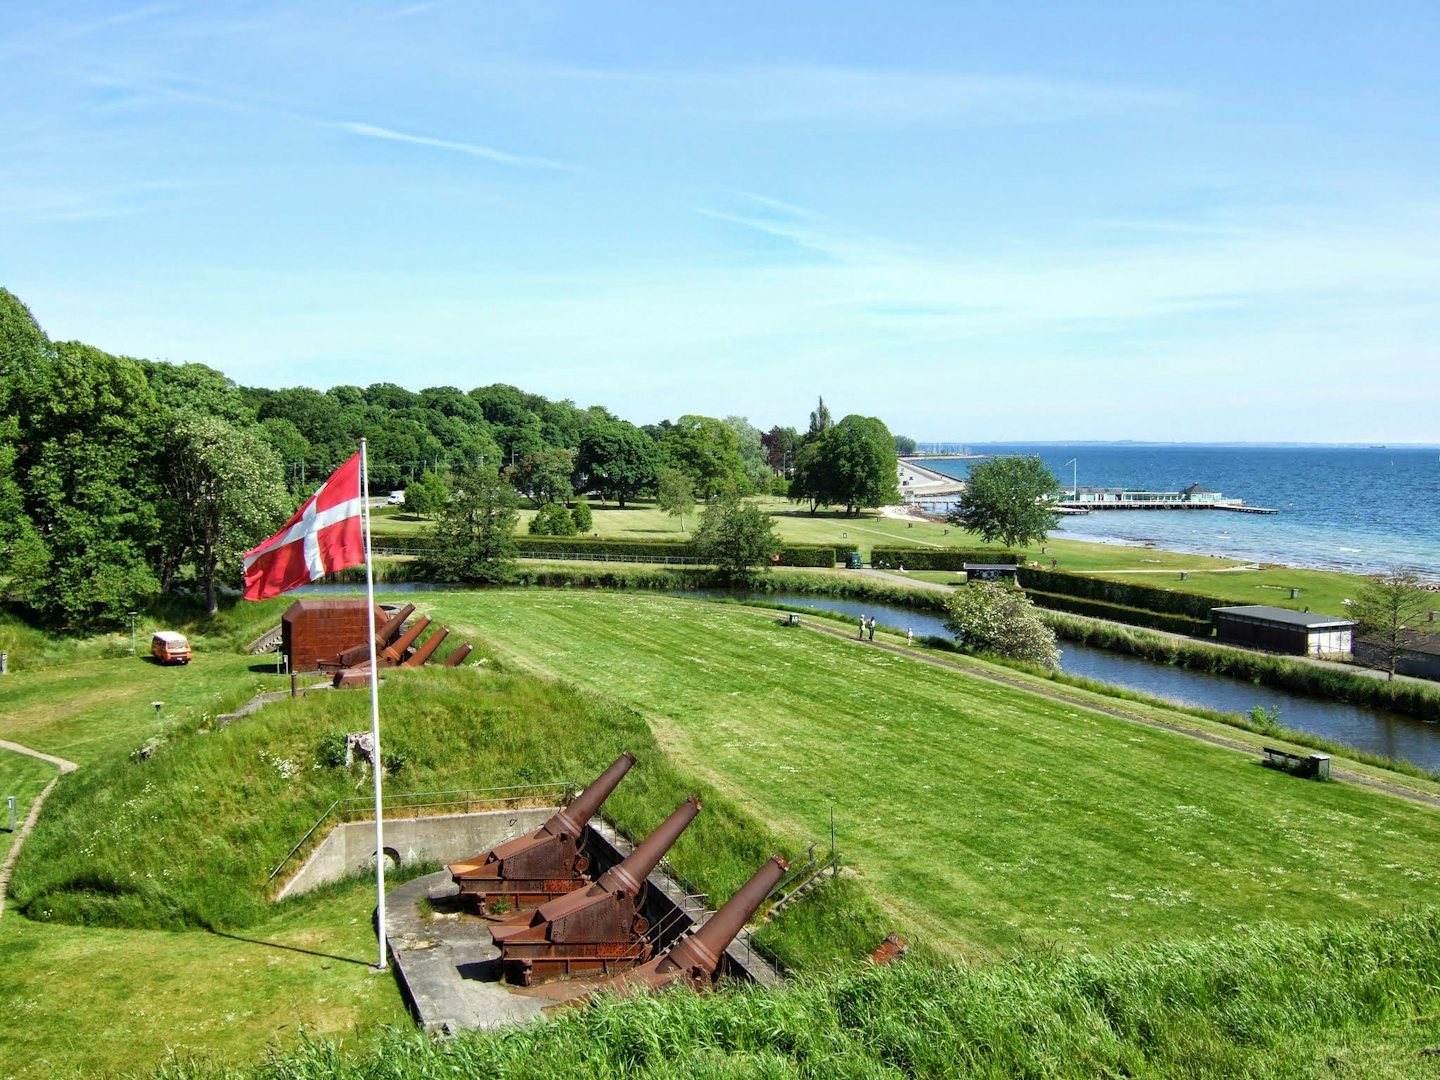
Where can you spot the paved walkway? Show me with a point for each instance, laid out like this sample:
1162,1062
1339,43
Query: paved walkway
34,815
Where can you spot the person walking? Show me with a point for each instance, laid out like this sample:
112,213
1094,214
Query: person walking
909,636
872,627
862,627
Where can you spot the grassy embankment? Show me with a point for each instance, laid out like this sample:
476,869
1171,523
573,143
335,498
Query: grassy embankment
980,817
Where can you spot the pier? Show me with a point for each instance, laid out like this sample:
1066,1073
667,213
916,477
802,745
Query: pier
1194,497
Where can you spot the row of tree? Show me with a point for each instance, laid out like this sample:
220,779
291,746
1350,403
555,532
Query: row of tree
122,478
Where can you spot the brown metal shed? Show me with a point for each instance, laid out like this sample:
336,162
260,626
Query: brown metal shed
315,629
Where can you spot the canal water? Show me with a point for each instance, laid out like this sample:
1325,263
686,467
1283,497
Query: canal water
1391,734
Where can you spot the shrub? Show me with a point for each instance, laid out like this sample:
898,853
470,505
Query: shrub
987,616
581,516
553,520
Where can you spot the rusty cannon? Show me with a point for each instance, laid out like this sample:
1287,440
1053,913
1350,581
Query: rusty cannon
696,959
597,928
523,873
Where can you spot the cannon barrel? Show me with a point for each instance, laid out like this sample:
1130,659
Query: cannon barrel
595,928
630,874
456,658
423,654
571,819
530,870
359,654
393,653
391,630
696,958
702,950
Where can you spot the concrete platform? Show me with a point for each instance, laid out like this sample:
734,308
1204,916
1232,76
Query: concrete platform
448,967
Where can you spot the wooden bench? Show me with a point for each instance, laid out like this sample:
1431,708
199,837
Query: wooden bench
1315,766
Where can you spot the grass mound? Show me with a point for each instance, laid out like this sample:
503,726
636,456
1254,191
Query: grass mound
188,836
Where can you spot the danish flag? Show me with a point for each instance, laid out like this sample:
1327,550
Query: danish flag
325,535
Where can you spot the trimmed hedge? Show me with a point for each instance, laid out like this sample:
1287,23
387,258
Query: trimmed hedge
915,558
808,555
1099,609
1121,594
590,545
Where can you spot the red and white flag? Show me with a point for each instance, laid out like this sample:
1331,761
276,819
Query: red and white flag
326,534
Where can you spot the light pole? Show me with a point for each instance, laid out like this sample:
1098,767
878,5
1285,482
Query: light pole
132,632
1074,483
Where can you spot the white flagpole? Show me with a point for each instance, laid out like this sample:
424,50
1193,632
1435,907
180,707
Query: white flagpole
377,765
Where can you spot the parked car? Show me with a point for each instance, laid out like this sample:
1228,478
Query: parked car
170,647
397,498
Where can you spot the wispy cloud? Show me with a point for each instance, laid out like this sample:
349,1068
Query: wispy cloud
870,96
804,228
486,153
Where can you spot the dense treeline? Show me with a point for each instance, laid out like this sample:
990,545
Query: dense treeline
124,478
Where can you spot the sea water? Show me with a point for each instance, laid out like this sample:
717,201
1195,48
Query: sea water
1361,509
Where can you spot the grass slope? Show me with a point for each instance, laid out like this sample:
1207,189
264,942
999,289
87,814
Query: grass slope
986,815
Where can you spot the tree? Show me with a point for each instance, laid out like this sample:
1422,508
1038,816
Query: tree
86,462
1008,499
426,495
905,446
544,475
861,463
988,616
224,485
707,451
676,494
580,514
753,458
851,463
553,520
780,445
737,537
819,419
474,540
810,480
1388,613
616,459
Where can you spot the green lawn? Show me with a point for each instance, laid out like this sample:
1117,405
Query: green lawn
95,708
983,815
23,777
87,1001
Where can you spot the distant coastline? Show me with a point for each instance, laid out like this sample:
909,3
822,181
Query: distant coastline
1354,508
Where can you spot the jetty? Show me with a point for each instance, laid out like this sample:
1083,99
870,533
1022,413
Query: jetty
1193,497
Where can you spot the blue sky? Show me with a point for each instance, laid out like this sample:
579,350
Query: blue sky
1198,222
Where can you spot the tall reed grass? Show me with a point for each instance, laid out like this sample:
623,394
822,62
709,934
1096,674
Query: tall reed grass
1257,1003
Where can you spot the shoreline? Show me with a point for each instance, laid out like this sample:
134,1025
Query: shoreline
1429,575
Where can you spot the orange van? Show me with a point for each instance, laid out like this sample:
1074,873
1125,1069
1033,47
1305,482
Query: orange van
170,648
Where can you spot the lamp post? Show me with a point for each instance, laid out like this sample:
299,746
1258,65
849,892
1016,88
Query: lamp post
132,632
1074,482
